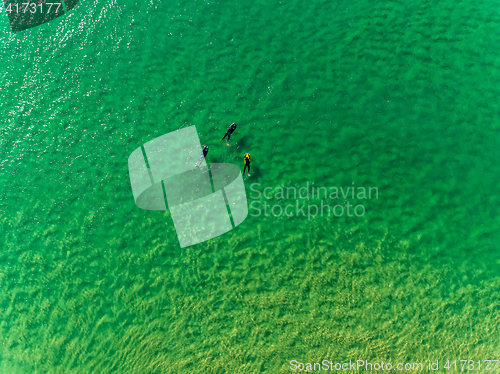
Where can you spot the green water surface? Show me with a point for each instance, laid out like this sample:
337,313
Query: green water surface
397,95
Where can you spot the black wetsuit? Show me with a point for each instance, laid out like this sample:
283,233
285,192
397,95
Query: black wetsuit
204,152
247,164
229,132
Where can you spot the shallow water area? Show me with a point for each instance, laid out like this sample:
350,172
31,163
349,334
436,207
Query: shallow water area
395,95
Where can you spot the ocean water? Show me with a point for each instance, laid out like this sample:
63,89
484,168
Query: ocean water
399,96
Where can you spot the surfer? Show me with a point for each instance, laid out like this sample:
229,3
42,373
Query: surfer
247,163
229,132
203,155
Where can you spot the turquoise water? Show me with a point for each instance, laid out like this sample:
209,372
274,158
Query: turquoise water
400,96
